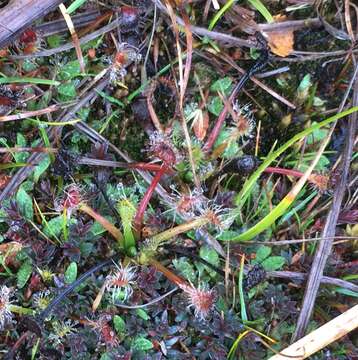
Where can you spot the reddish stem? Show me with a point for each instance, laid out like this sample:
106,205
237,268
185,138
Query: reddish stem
288,172
220,121
146,166
138,219
175,279
215,131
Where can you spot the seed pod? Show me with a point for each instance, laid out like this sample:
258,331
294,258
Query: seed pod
254,277
244,165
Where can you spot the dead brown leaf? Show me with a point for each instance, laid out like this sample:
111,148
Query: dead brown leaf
280,42
201,125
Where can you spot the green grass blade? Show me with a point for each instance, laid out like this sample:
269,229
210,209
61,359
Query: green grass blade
287,201
12,80
13,165
75,5
241,291
262,9
234,346
249,183
220,13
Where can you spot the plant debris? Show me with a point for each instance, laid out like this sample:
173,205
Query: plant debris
172,176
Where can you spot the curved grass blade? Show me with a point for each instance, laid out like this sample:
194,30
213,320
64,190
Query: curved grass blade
249,183
261,8
287,201
12,80
220,13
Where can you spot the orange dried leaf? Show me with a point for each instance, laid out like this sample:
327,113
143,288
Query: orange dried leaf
201,125
4,180
281,42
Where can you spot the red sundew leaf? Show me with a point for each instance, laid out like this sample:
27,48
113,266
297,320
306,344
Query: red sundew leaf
28,36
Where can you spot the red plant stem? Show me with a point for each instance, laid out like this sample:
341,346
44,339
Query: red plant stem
288,172
216,130
177,280
146,166
220,121
124,165
138,219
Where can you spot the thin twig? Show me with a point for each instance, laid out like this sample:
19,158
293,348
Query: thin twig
324,280
325,247
321,337
152,302
28,114
24,172
105,29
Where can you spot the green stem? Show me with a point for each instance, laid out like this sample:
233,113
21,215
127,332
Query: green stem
21,310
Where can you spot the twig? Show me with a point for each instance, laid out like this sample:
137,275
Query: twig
24,172
74,36
324,280
323,336
13,18
325,247
58,299
105,29
28,114
58,26
297,241
289,25
152,302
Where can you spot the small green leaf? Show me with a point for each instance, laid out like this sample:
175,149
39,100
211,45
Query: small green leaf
29,65
215,106
24,274
262,253
106,356
86,248
227,235
303,89
232,147
317,135
20,157
67,90
41,167
142,314
54,41
24,202
185,268
221,85
210,255
273,263
70,70
71,273
119,324
140,343
53,228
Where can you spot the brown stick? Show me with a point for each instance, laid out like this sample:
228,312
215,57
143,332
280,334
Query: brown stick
20,14
320,338
325,247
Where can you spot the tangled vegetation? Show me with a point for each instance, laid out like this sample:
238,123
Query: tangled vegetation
171,174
